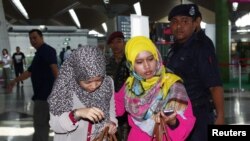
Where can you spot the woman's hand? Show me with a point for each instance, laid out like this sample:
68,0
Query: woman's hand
170,120
93,114
112,127
220,120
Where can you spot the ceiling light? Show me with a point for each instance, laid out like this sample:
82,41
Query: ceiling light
106,1
243,21
95,33
75,18
104,26
42,27
235,6
243,30
244,39
137,8
20,7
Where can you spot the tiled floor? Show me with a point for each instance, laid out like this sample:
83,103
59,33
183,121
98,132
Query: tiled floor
16,112
237,107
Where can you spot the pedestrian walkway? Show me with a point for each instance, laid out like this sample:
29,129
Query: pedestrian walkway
16,110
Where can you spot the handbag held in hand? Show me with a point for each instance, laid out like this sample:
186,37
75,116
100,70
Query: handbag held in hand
105,136
160,132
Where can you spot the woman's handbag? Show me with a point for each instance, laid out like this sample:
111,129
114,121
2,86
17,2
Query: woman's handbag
105,136
160,132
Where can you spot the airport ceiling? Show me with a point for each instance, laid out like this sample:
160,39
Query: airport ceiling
92,13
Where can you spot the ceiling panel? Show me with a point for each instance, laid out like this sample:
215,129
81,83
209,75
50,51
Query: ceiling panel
92,13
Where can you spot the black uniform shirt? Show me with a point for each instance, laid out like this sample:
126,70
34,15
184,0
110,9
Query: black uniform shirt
196,63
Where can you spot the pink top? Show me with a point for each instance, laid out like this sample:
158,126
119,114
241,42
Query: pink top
180,133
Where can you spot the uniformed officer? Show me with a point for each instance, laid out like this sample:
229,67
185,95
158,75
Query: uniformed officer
116,68
193,58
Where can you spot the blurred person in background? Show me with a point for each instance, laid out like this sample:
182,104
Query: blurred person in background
117,69
18,62
6,64
67,53
61,55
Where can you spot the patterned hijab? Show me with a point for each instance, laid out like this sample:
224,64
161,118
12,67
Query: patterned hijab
83,64
145,97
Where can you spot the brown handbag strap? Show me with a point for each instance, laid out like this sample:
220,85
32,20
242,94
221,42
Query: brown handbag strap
113,137
101,136
105,135
160,131
156,132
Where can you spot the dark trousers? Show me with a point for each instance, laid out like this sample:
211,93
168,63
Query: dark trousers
18,70
123,128
41,120
6,76
204,116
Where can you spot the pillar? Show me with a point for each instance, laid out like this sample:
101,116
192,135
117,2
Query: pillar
222,37
4,37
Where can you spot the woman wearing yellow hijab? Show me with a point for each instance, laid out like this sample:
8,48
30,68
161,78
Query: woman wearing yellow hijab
149,91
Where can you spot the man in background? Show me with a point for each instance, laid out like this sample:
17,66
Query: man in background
18,62
116,68
67,53
61,55
43,72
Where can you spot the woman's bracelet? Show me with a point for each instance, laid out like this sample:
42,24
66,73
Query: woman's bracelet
73,117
